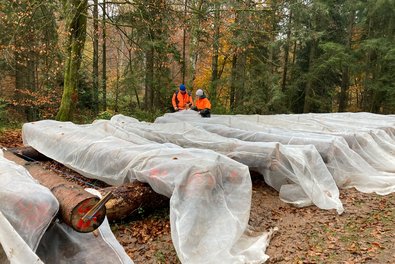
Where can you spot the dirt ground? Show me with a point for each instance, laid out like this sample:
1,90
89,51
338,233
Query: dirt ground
362,234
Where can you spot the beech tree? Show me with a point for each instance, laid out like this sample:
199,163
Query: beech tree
76,25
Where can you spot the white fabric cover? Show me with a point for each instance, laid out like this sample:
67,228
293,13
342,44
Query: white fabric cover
63,245
210,193
13,249
27,210
348,166
361,137
297,172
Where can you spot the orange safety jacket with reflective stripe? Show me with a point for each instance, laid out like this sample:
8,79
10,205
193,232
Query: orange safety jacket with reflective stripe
203,103
182,100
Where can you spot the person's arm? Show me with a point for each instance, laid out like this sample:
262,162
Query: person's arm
173,101
191,100
207,104
188,101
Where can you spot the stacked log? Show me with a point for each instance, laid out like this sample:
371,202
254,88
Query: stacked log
74,201
132,199
127,200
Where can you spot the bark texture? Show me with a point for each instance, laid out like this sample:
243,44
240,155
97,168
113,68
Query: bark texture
76,42
74,201
128,200
132,199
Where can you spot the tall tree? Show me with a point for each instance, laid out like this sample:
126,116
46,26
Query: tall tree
215,54
104,57
184,38
95,72
286,51
241,41
197,37
76,25
345,82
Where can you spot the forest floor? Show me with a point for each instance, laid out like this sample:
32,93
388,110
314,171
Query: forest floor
362,234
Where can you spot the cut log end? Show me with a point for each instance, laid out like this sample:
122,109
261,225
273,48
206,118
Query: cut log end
88,225
74,201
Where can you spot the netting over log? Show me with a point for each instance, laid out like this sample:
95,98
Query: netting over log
304,157
28,223
27,209
347,166
210,193
366,139
74,201
297,172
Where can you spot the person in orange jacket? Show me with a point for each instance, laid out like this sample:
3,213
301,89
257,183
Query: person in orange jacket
202,104
181,99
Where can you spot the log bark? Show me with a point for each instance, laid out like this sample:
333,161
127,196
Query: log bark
132,199
74,201
128,200
30,154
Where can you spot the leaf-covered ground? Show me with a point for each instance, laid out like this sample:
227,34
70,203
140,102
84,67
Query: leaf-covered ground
363,234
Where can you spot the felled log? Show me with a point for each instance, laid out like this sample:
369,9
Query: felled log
127,200
74,201
29,154
132,199
33,154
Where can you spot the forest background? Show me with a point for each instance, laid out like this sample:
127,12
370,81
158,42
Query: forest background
79,60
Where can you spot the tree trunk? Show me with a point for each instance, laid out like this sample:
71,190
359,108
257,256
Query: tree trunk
239,59
195,37
77,31
233,80
30,154
132,199
104,59
118,77
73,200
345,70
308,92
95,57
214,63
149,78
184,43
131,74
286,54
127,200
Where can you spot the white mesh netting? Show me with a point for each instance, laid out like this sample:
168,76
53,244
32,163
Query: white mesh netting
297,172
30,233
305,157
210,193
352,156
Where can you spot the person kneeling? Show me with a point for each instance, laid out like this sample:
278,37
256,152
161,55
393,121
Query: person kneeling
202,104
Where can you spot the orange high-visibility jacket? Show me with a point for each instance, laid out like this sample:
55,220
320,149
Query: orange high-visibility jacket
203,103
182,99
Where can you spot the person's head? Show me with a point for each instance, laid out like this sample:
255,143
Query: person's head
200,93
183,88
